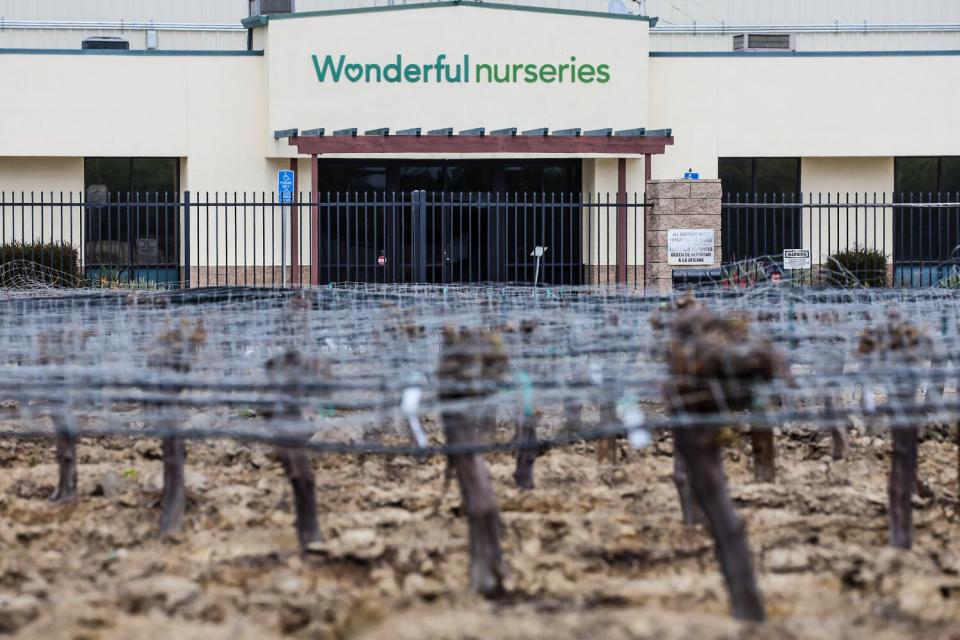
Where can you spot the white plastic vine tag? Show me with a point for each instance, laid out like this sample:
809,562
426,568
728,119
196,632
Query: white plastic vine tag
633,419
410,406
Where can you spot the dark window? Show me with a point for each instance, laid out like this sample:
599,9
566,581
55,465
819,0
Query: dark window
478,176
929,176
482,220
469,177
915,175
131,227
133,175
760,176
758,228
776,176
352,179
736,175
925,233
420,177
950,176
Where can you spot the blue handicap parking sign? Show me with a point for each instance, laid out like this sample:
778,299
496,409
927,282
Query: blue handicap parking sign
285,180
691,175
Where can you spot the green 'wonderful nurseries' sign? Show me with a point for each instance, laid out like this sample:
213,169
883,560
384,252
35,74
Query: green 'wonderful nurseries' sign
336,69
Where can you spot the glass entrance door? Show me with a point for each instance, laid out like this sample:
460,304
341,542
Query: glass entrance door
447,221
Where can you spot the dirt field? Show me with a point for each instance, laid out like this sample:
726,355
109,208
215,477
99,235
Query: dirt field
594,552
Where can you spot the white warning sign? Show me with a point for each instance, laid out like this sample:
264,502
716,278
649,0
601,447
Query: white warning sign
796,259
687,247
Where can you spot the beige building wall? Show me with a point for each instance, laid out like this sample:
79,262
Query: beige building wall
41,174
823,106
40,180
209,109
685,96
829,180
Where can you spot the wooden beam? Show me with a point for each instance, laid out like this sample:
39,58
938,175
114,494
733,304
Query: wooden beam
622,256
394,144
314,220
647,177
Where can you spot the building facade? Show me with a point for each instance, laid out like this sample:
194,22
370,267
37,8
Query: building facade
772,98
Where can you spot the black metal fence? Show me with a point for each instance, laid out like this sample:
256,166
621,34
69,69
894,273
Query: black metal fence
212,239
885,239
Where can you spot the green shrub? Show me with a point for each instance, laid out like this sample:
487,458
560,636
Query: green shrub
951,280
857,267
41,263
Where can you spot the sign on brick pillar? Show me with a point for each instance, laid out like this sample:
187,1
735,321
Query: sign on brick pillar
691,210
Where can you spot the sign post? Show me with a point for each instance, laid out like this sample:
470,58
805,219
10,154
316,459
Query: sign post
285,182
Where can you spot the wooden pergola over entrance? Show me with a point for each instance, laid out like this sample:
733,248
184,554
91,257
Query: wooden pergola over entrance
502,142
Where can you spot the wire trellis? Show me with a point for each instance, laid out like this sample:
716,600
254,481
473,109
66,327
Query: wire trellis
97,359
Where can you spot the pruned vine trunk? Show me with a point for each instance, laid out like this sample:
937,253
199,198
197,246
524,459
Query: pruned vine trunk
607,447
471,364
290,369
838,434
479,503
689,507
66,444
841,442
903,478
572,421
704,462
296,464
483,518
526,439
174,486
764,454
715,365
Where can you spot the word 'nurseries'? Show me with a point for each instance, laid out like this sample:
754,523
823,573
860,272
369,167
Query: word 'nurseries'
331,68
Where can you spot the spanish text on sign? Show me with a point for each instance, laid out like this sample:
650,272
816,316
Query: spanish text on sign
690,247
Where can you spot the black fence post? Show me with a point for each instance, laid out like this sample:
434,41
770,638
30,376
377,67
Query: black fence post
186,240
419,236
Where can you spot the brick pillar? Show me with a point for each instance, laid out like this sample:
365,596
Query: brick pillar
677,204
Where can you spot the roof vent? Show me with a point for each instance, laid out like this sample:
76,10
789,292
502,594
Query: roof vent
266,7
105,42
764,42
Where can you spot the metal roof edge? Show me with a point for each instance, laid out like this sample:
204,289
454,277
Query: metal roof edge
156,53
260,21
805,54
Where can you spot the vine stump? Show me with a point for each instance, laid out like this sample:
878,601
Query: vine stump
714,366
903,343
472,362
289,370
